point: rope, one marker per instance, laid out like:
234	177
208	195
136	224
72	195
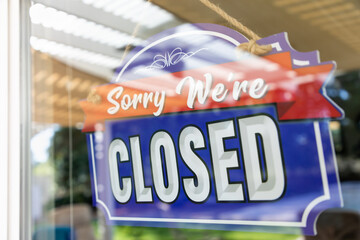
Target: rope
252	46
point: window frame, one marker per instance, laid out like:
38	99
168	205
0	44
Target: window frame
15	89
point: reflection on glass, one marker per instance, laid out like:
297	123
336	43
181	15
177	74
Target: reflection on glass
76	46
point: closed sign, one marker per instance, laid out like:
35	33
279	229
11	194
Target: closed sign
193	133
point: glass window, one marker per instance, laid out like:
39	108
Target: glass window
77	45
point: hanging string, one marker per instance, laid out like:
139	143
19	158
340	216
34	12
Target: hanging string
252	46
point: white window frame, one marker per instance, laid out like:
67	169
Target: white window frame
15	90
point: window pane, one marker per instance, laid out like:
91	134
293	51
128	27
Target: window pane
77	45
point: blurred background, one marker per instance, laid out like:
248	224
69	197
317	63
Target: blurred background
77	45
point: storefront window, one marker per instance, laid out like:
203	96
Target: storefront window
79	45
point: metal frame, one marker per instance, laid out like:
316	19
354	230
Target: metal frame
25	116
4	145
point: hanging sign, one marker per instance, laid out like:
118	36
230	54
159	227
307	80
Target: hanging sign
194	133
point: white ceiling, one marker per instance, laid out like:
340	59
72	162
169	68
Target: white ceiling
332	27
97	15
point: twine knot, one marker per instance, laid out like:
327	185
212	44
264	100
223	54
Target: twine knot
254	48
251	46
93	97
